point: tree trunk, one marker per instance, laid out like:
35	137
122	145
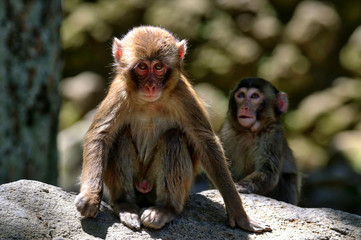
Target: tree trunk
30	70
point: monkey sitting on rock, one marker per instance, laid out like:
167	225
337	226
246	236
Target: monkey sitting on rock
253	138
149	137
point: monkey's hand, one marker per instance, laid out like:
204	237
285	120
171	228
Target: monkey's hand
244	187
87	204
241	220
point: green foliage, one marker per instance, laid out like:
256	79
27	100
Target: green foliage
296	45
309	49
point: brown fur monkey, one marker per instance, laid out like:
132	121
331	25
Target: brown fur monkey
261	161
150	135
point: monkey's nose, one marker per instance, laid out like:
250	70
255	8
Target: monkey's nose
151	88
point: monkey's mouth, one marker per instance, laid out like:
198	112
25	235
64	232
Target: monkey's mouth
245	117
246	121
150	97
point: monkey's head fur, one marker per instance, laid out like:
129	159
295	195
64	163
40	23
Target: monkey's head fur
148	43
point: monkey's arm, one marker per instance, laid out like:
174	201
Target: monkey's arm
96	146
211	155
214	163
268	164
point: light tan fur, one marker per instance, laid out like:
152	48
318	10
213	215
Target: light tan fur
161	143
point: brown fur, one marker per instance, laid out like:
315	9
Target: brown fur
163	142
261	161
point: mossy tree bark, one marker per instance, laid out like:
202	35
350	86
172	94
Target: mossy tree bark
30	70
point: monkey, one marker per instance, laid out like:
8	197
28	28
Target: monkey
150	136
252	135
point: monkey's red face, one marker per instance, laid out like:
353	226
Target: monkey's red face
150	76
248	102
151	57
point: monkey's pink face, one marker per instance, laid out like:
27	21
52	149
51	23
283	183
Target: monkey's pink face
248	102
151	76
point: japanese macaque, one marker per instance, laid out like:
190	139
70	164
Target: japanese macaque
261	161
150	136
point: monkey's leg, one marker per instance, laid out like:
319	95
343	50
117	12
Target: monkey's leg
174	178
118	176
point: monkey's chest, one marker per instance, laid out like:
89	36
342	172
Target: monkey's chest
146	133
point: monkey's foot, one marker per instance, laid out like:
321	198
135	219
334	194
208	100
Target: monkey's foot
156	217
128	214
87	204
130	220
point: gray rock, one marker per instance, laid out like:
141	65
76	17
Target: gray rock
34	210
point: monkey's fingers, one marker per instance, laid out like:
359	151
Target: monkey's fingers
87	205
253	226
130	220
243	188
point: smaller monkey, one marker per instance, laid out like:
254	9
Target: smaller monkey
253	138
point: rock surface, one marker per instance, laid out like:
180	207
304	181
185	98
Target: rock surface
34	210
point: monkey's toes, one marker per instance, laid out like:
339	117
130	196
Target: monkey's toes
130	220
86	205
156	217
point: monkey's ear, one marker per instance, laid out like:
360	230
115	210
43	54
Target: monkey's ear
282	102
117	49
182	47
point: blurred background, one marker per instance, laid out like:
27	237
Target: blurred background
309	49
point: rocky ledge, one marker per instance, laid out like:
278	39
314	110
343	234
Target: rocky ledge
35	210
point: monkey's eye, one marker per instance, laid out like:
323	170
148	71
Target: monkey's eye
158	66
241	95
255	96
142	69
142	66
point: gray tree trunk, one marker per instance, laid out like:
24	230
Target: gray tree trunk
30	70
